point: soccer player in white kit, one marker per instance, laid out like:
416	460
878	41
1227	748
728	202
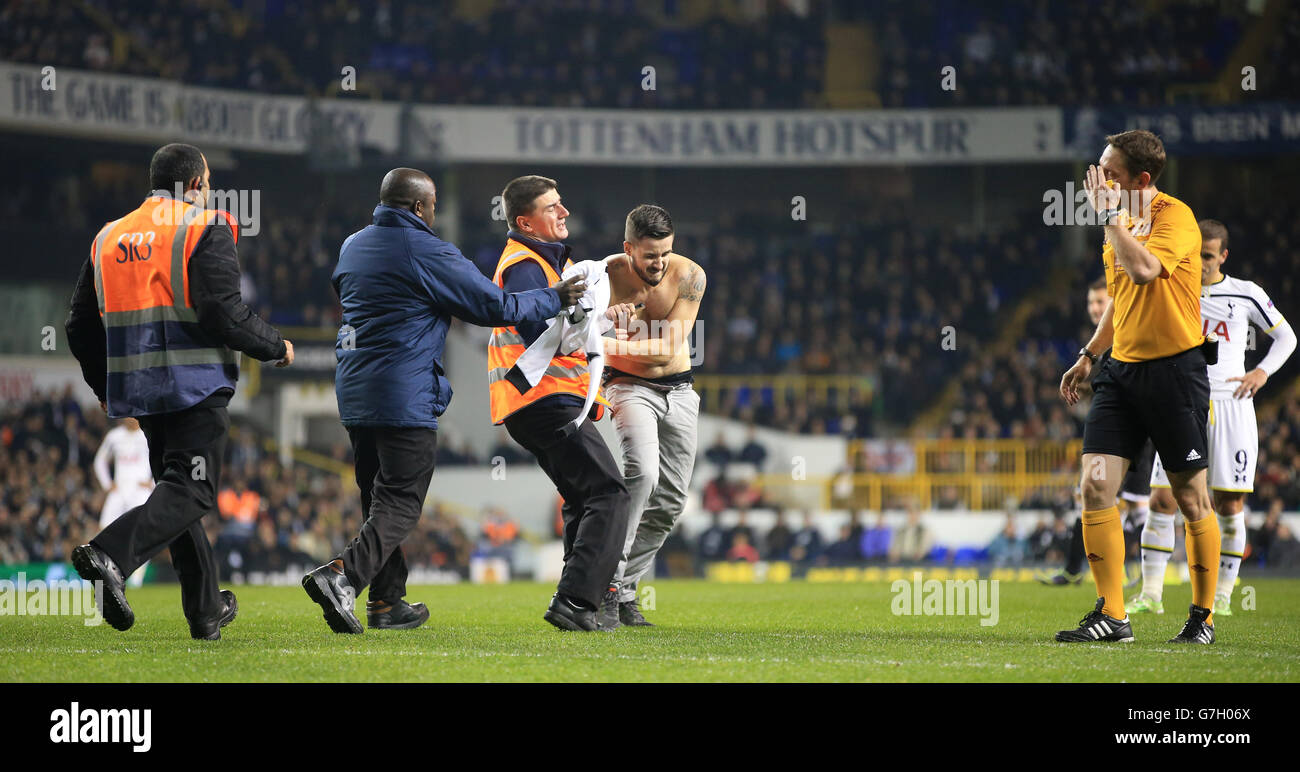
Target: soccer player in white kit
1228	307
132	478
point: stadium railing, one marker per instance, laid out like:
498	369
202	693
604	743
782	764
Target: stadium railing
941	473
839	390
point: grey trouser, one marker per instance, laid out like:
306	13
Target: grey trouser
657	428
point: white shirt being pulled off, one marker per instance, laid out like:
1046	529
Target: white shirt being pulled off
577	328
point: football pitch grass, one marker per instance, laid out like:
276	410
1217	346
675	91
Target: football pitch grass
705	631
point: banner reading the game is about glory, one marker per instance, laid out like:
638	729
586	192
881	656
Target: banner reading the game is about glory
735	138
67	101
73	102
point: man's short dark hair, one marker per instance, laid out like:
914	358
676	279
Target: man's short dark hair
1098	284
521	192
1213	229
175	163
647	221
1143	152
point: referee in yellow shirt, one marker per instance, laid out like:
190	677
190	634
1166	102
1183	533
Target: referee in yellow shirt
1153	384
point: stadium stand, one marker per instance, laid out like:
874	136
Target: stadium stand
435	52
1029	53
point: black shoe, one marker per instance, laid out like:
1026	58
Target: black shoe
94	565
1097	627
1196	629
395	616
1058	578
567	615
629	613
607	620
211	631
329	587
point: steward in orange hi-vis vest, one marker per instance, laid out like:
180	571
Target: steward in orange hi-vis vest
159	359
567	373
154	322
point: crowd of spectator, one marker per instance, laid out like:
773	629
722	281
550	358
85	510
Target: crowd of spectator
1036	52
859	300
857	543
591	53
804	543
579	53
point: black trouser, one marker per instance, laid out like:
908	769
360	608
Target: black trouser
394	465
1075	554
595	499
185	454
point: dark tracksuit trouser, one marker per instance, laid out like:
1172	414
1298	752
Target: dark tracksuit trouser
595	499
186	449
394	465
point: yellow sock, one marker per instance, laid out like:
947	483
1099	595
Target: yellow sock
1203	543
1103	540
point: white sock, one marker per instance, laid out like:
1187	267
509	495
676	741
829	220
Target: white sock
1157	548
1233	530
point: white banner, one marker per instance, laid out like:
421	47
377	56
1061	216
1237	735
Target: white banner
70	101
737	138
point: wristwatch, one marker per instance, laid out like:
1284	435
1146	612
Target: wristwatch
1109	216
1084	352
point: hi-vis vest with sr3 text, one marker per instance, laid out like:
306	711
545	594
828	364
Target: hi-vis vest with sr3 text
566	374
159	359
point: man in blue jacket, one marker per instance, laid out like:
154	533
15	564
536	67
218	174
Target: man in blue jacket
399	285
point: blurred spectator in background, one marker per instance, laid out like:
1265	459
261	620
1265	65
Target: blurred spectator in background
717	494
1040	540
719	454
844	550
741	548
1052	543
1284	552
240	506
497	536
742	526
1263	539
806	547
714	541
779	540
876	540
753	452
856	528
268	552
913	541
1008	547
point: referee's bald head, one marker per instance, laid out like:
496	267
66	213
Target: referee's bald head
409	189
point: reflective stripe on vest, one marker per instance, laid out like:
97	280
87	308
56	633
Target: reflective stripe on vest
564	375
159	359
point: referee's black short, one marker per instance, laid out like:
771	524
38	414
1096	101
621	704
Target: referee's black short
1166	400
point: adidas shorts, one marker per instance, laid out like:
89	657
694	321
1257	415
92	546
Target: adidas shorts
1164	400
1234	447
